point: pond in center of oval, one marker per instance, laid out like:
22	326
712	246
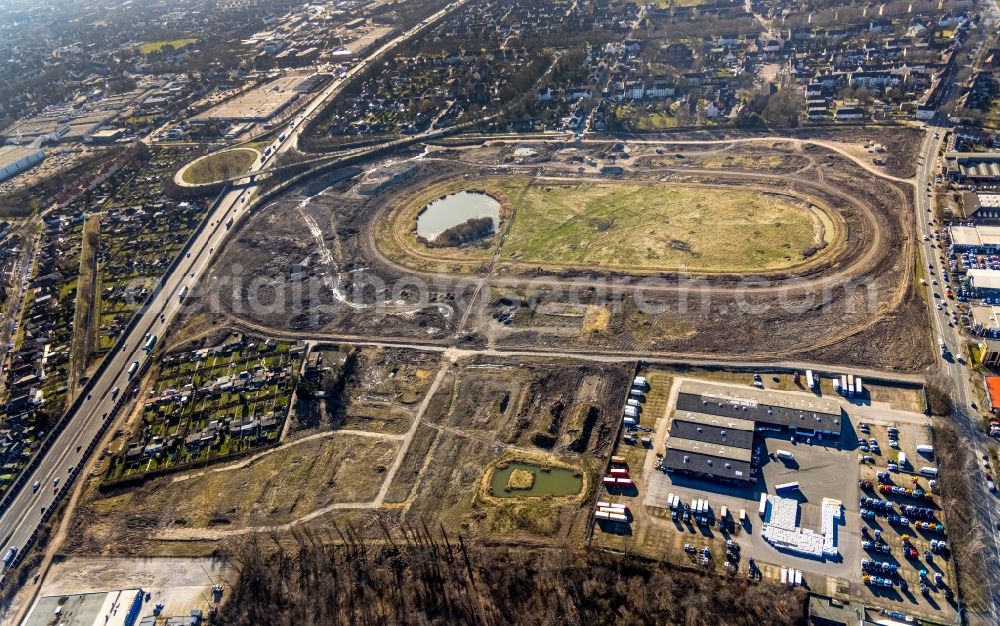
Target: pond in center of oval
546	481
455	209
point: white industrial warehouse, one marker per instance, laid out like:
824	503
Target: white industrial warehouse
17	159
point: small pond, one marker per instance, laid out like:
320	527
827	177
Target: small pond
454	209
553	481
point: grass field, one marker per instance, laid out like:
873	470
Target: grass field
219	166
156	46
624	225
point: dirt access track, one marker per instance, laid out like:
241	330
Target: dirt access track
318	264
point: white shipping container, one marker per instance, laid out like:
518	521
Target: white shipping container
809	379
929	471
602	515
618	517
843	384
798	577
615	508
850	384
786	486
762	509
857	385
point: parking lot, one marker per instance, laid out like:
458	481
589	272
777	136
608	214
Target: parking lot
821	471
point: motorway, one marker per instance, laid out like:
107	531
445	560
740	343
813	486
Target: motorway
62	460
964	417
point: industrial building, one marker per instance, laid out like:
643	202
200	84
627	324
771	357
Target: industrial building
985	283
105	608
708	445
712	430
973	167
982	208
15	159
779	409
992	384
980	238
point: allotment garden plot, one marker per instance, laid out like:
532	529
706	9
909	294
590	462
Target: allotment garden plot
210	404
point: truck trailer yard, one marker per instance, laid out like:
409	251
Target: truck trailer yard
797	480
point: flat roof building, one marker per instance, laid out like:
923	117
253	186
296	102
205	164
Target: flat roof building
103	608
776	408
710	445
985	282
972	238
15	159
713	426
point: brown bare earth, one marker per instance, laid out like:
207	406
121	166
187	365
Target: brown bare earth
427	369
857	299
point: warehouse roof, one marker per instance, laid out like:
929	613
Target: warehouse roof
710	449
975	236
760	405
984	279
699	431
689	461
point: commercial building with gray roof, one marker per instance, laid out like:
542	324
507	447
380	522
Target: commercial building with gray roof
712	430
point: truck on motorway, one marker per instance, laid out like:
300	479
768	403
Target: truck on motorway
132	369
281	137
150	344
8	556
229	223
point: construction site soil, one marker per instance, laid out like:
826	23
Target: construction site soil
315	267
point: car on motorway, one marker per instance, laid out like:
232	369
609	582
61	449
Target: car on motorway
35	486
